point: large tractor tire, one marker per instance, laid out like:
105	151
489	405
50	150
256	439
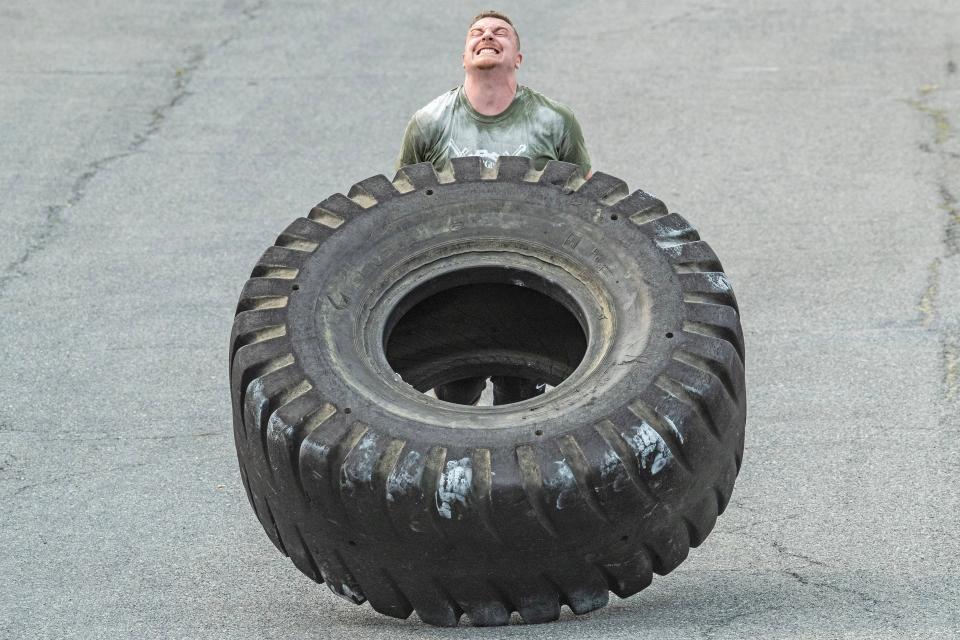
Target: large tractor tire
389	495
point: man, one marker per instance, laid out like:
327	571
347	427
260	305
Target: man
490	115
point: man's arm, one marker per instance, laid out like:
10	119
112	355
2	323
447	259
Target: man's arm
411	149
572	147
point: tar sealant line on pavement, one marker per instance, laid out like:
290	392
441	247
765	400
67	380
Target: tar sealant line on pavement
942	143
53	215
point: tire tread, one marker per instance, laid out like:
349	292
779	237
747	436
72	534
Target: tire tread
295	444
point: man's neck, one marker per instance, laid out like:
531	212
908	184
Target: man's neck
489	93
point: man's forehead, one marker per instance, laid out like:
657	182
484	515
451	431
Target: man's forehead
490	21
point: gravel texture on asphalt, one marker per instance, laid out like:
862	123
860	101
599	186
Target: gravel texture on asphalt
150	151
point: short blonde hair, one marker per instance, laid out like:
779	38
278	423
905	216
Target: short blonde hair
499	16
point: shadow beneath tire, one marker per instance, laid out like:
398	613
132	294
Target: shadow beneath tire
684	606
812	602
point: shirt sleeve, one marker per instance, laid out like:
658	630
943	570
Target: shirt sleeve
411	149
572	147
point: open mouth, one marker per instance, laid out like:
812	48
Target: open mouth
486	51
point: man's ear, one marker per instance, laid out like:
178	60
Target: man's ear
516	65
463	60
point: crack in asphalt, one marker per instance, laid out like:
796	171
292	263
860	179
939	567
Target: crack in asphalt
951	234
950	351
53	215
757	523
943	134
733	618
123	438
21	489
872	604
928	301
782	550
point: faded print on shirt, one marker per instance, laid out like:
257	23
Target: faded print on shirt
489	157
533	126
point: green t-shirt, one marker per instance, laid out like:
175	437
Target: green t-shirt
533	126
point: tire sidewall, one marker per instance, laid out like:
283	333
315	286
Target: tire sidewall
630	278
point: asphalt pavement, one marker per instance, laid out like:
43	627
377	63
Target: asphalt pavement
150	151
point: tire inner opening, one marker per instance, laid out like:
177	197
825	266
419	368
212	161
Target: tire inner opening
496	328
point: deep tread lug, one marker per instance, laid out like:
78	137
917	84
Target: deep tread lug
670	551
513	168
305	229
334	211
701	518
560	174
708	286
373	190
432	603
339	579
467	168
282	256
533	488
669	230
481	602
251	327
536	599
640	207
604	187
583	589
419	176
628	576
263	293
381	591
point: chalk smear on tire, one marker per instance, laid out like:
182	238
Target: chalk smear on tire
454	486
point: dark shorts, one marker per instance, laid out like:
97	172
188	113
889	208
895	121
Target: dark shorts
506	390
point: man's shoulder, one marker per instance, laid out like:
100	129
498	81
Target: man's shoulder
548	105
435	110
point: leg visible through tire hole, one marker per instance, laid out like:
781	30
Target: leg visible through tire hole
506	390
453	333
510	389
466	391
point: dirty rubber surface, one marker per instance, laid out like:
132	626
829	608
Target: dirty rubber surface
151	151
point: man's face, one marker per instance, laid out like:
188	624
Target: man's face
491	43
